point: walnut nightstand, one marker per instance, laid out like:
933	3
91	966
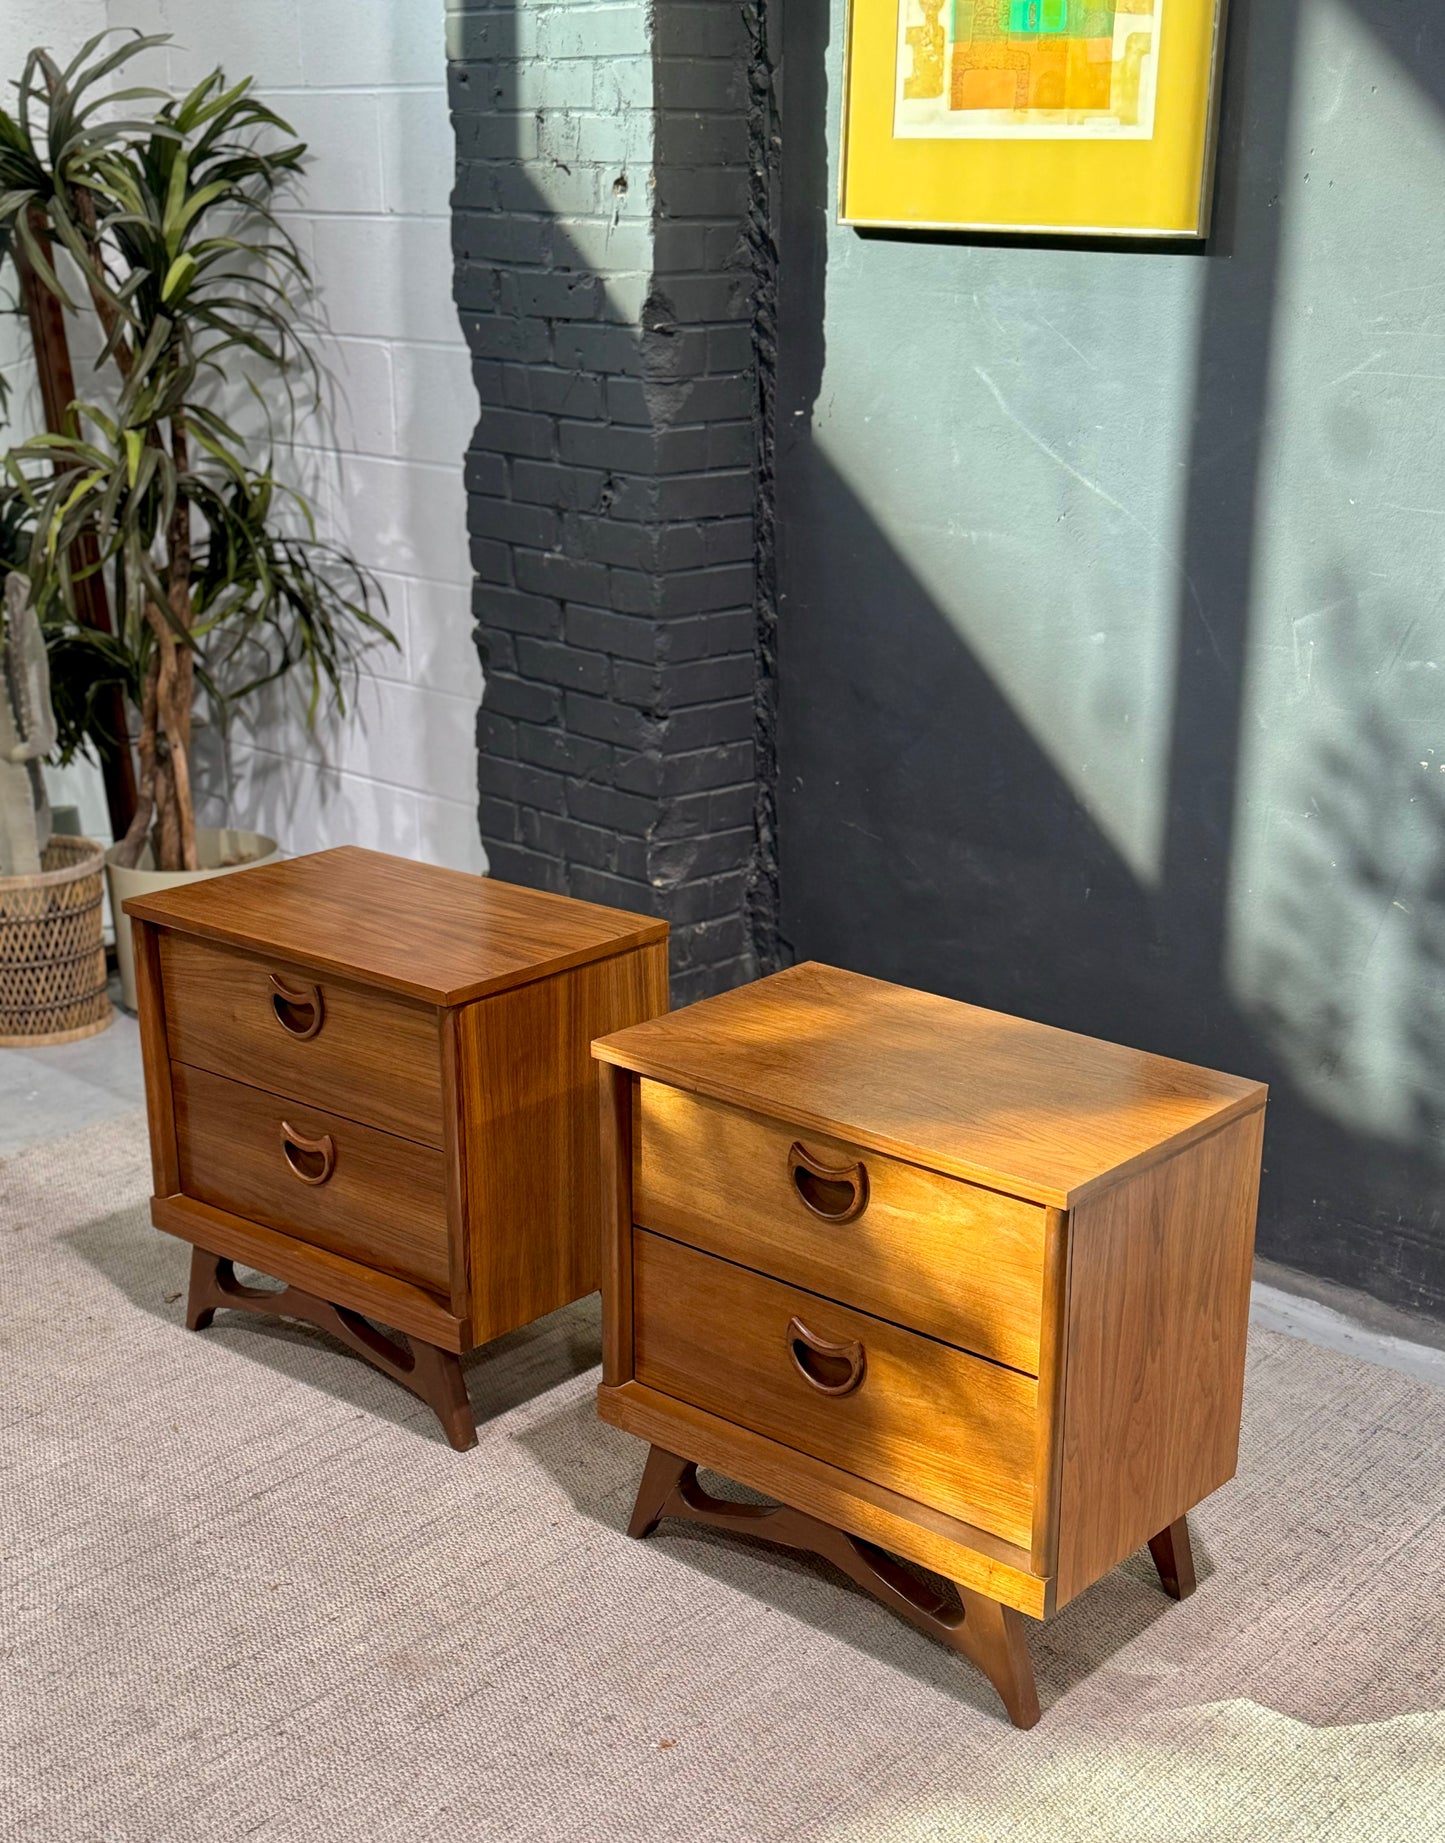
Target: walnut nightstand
949	1286
370	1078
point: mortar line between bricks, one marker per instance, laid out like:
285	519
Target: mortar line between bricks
394	342
348	774
368	217
357	89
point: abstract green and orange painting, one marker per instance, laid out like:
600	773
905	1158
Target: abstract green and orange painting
1039	69
1035	116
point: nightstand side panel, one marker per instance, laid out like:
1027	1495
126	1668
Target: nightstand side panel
534	1179
1158	1318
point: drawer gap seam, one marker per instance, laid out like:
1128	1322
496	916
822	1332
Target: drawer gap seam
333	1108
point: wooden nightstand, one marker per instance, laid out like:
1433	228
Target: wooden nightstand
370	1078
948	1286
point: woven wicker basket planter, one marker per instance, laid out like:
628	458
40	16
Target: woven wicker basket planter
52	955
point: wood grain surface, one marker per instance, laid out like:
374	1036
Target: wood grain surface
1053	1373
1157	1324
458	1166
927	1421
384	1202
155	1059
528	1106
927	1251
616	1103
1016	1106
958	1550
441	936
375	1058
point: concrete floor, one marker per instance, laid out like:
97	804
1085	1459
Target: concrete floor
47	1093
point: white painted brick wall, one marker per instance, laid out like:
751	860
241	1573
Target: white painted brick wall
365	86
64	26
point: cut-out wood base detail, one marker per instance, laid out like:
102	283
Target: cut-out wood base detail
989	1635
1174	1559
433	1375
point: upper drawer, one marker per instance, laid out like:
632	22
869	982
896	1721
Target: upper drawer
963	1264
361	1053
941	1427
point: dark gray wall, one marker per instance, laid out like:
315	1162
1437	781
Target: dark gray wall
610	232
1111	630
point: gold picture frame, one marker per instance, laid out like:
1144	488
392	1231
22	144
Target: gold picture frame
1074	118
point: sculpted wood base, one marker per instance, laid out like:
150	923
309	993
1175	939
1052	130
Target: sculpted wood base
988	1634
434	1376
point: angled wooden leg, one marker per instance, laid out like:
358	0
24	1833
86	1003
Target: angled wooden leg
990	1635
433	1375
1174	1559
660	1476
995	1638
437	1378
205	1295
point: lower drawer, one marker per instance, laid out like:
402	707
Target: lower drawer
903	1410
347	1188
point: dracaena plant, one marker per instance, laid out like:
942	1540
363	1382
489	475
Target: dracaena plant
157	217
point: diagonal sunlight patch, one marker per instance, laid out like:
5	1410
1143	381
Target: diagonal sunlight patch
1051	535
1228	1772
1337	946
571	140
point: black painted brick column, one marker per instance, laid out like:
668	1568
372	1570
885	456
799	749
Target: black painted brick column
612	480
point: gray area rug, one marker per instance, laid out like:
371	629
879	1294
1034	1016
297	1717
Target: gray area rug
249	1592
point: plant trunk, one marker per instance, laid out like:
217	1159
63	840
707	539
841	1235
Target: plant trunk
165	808
183	687
57	392
146	751
170	690
174	838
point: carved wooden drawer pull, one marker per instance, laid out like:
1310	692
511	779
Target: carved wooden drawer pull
834	1193
299	1010
832	1369
312	1160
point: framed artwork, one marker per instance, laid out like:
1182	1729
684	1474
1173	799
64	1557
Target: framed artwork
1052	117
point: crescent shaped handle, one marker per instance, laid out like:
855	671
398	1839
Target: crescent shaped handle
311	1160
831	1369
298	1009
833	1193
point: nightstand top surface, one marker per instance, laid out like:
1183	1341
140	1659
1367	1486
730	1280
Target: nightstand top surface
442	936
1020	1107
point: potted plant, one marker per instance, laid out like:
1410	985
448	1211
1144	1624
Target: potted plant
156	216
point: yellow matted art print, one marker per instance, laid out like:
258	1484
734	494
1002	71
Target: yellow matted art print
1050	117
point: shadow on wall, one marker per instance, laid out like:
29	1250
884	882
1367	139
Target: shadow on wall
927	837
